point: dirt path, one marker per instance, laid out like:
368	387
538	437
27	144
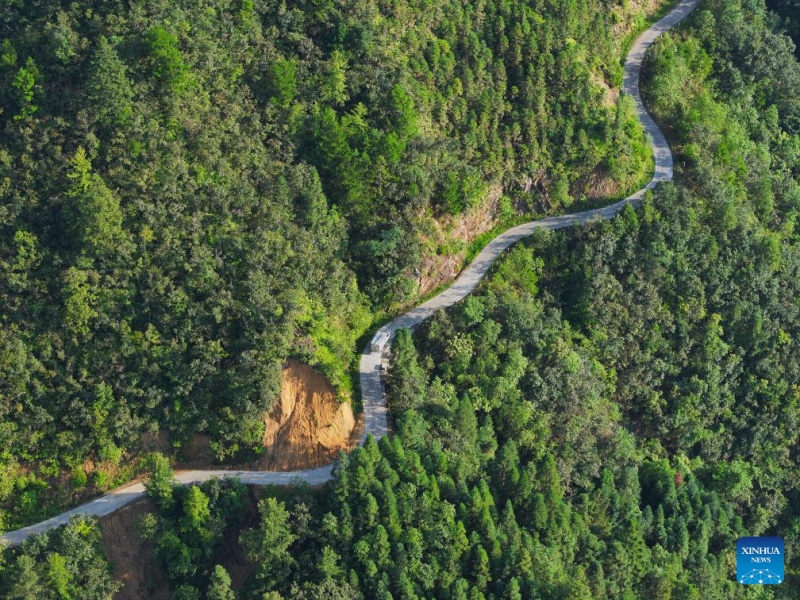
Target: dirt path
376	417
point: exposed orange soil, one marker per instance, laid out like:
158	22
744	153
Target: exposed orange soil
132	558
308	426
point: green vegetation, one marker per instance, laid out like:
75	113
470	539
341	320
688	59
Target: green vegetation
187	531
787	10
34	496
66	563
616	404
603	418
192	192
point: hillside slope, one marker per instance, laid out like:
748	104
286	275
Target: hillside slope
193	192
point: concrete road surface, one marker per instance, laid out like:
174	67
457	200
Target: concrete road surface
376	417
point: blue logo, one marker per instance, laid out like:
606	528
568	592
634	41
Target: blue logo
759	560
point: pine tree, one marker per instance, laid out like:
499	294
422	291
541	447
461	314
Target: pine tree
219	587
407	381
160	484
93	213
110	92
268	544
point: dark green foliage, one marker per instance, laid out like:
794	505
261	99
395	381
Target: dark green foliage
616	404
158	254
191	193
65	563
621	447
219	587
789	12
410	383
234	181
187	530
268	544
160	486
109	90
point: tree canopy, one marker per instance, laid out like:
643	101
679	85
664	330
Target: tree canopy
610	410
193	192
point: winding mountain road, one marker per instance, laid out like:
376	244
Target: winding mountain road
376	414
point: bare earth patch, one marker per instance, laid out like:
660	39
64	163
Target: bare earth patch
308	426
131	557
438	269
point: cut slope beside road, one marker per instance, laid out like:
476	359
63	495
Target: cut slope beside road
376	416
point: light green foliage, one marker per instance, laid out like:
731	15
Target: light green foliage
67	563
219	587
63	41
195	510
79	298
196	518
168	63
58	579
283	82
23	84
247	12
626	135
93	215
8	57
335	85
160	485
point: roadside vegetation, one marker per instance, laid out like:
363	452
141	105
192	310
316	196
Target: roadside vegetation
68	562
193	192
611	409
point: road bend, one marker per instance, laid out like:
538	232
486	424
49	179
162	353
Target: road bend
376	414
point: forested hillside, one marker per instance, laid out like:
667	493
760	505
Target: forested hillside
789	13
606	415
68	562
192	192
619	402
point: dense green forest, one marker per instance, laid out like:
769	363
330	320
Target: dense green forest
789	12
192	192
617	404
67	562
603	418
